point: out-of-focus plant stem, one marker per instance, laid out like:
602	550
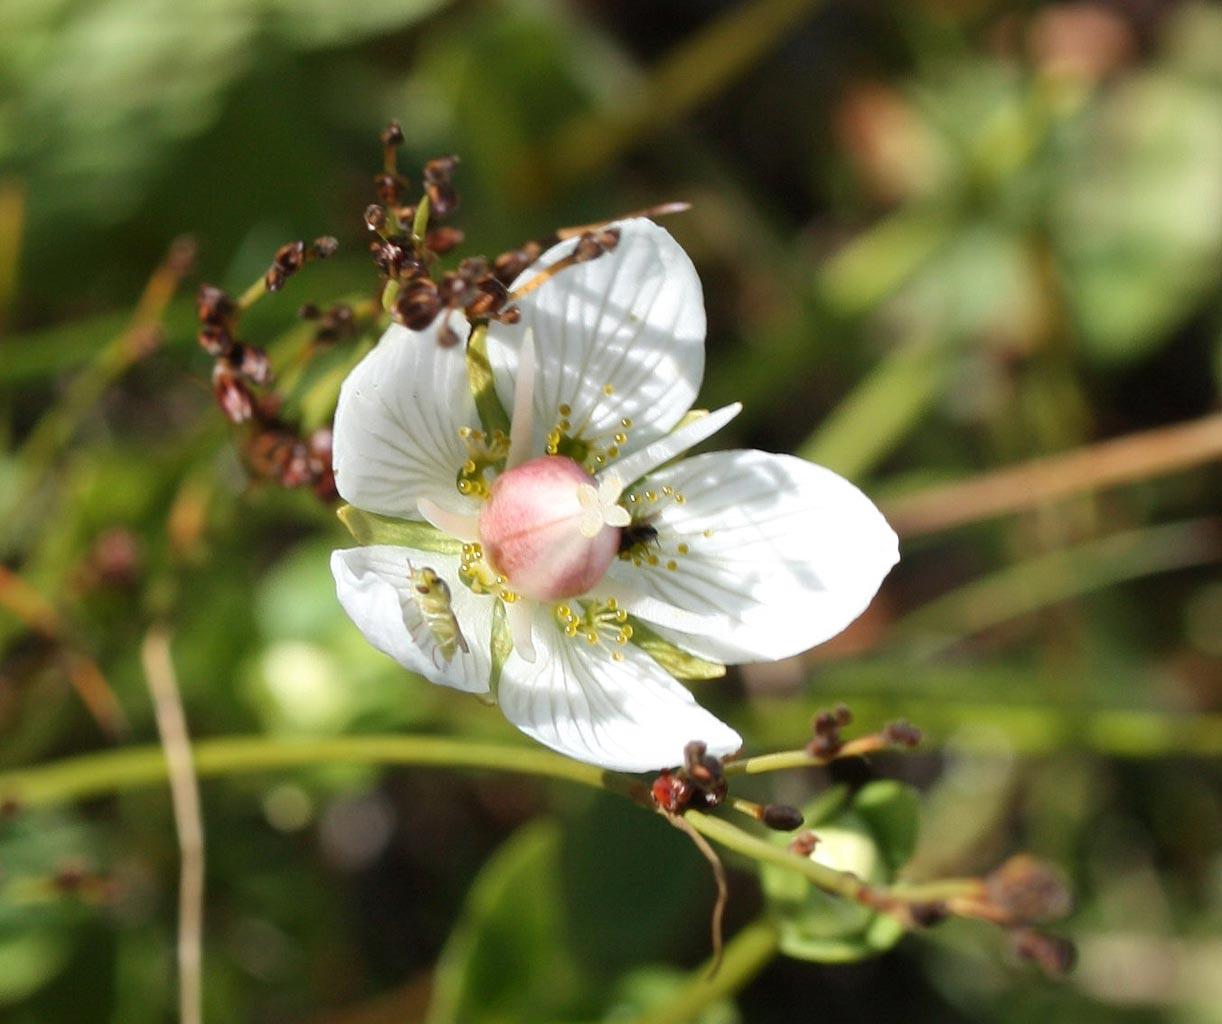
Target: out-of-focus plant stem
693	72
748	953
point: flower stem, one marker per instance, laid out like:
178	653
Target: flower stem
94	775
749	952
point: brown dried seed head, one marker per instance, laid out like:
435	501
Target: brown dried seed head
1029	890
443	198
440	171
234	397
214	340
389	188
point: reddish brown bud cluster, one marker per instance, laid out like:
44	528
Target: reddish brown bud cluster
827	740
334	323
291	257
439	186
277	453
237	365
901	734
701	783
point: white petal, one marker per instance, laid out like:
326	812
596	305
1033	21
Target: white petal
666	448
625	716
396	427
631	321
373	585
793	554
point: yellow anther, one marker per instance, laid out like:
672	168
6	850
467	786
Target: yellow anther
683	549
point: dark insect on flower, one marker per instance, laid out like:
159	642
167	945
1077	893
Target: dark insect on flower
637	534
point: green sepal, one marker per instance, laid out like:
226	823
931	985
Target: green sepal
502	647
371	528
420	225
677	662
389	294
492	415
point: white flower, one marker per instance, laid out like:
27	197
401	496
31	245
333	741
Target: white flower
579	524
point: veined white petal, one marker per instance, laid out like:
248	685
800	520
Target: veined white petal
786	552
619	337
396	427
520	615
374	586
522	420
622	715
666	448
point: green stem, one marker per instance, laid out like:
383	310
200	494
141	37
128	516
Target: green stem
93	775
748	953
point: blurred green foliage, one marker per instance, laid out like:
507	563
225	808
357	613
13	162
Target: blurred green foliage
936	238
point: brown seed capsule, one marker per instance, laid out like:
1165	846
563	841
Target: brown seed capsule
782	817
417	305
443	199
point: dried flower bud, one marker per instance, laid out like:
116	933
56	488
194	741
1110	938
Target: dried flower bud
324	247
440	171
447	337
670	792
1054	955
509	265
213	306
290	257
782	817
375	217
901	734
389	188
234	397
215	340
804	843
392	134
443	240
417	305
1029	890
252	363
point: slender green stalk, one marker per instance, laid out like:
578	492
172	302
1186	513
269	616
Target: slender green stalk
748	953
94	775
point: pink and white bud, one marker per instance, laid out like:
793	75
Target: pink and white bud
549	530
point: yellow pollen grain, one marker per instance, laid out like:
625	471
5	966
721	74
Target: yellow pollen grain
672	565
653	559
683	549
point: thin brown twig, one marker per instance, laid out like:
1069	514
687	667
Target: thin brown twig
1031	484
188	822
719	876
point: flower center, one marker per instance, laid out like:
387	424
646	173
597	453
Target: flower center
548	530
